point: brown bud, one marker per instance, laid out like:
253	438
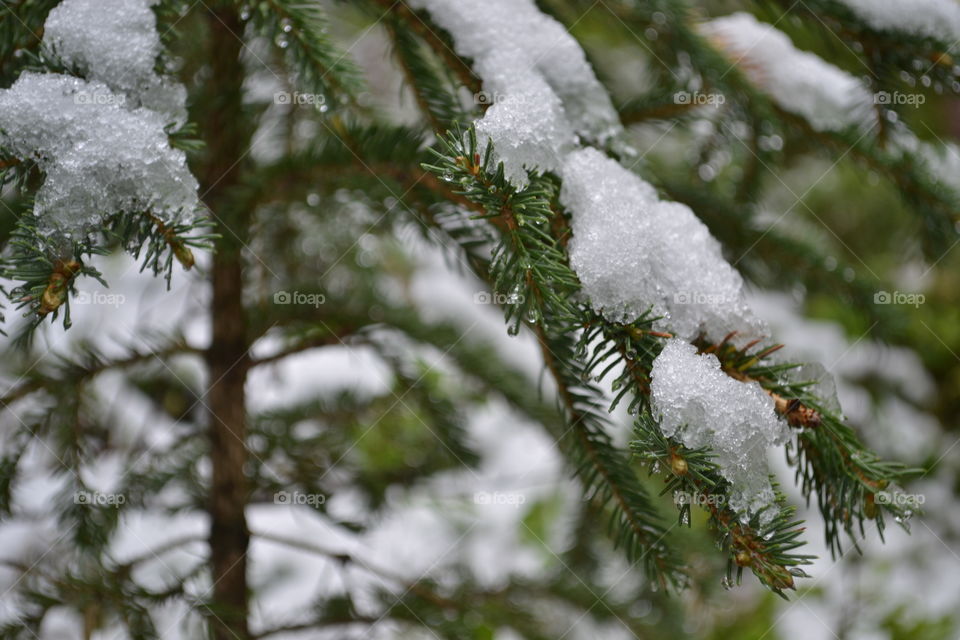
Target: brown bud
678	465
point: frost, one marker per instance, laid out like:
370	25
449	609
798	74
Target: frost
632	250
800	82
115	42
703	407
100	141
99	158
938	19
544	96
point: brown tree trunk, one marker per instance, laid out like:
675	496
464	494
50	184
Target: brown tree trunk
227	134
229	537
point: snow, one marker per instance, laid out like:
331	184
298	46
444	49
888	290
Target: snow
798	81
632	251
703	407
114	42
100	139
939	19
544	95
99	158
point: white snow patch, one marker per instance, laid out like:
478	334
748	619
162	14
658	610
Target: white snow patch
115	42
633	251
938	19
544	94
99	157
800	82
703	407
100	140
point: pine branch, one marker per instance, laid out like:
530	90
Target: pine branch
301	31
692	477
436	38
435	95
522	265
830	459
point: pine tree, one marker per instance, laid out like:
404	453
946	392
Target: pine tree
312	193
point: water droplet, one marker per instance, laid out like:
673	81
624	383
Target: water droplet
726	583
685	518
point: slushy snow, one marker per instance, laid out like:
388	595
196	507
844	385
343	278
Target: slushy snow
100	140
798	81
545	97
704	407
633	251
939	19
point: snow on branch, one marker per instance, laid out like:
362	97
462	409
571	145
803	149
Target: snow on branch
633	251
798	81
101	141
115	42
938	19
701	406
543	96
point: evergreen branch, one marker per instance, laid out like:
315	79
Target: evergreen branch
46	266
301	31
691	475
829	458
885	52
435	95
86	364
937	207
436	38
526	260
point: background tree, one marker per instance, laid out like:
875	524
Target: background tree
320	429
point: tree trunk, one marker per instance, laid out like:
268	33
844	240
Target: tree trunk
227	136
